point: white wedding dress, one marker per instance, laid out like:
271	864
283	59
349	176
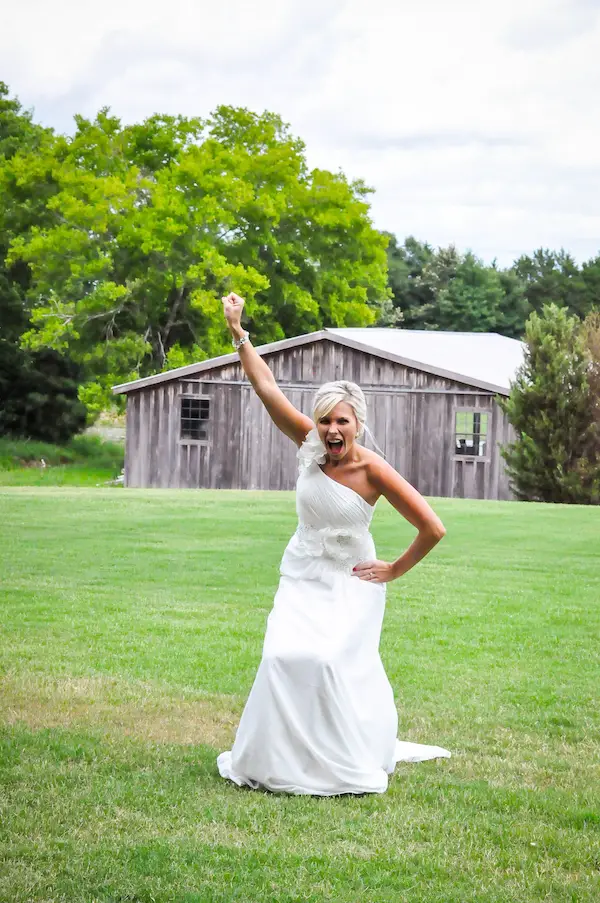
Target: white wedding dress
321	718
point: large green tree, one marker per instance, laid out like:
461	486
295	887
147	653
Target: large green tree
150	224
38	389
555	456
18	134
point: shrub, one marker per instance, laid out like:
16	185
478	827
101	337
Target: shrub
88	451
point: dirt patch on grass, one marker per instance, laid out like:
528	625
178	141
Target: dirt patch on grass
138	710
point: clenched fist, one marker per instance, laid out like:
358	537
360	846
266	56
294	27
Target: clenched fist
233	306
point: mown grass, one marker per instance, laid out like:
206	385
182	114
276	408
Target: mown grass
131	629
85	461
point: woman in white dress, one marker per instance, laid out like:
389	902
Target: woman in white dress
321	718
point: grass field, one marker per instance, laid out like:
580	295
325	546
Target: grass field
131	629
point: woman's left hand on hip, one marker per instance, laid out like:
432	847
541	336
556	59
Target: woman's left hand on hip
373	571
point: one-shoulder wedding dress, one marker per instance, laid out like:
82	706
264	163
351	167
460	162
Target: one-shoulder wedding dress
321	718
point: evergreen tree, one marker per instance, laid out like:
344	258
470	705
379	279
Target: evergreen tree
550	409
589	466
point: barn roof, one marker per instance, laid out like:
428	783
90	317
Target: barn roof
484	360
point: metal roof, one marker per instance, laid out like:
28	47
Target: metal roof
484	360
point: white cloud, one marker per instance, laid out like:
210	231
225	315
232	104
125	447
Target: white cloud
476	122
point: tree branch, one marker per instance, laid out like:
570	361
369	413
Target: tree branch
161	348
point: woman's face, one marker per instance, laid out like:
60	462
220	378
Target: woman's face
337	430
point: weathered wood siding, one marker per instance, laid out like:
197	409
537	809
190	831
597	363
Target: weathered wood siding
411	414
318	362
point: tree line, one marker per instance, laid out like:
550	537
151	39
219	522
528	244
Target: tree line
118	241
444	289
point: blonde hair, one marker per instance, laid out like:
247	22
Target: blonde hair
331	394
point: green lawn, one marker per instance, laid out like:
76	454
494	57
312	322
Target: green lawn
84	461
131	629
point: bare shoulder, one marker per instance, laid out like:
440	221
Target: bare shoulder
379	473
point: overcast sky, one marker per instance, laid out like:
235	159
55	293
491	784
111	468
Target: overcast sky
477	122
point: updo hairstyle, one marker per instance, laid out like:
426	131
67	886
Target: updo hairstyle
330	394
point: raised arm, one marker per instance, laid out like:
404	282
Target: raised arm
284	415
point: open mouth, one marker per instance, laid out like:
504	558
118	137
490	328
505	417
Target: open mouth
335	446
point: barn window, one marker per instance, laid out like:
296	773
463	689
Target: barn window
195	417
470	433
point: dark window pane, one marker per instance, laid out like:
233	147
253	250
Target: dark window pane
190	407
195	412
191	429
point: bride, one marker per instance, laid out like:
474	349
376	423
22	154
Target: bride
321	718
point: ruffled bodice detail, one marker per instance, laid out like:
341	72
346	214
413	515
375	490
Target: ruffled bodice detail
312	451
333	520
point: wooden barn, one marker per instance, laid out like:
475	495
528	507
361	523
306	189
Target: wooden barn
432	407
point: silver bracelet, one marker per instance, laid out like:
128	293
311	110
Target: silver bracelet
237	343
